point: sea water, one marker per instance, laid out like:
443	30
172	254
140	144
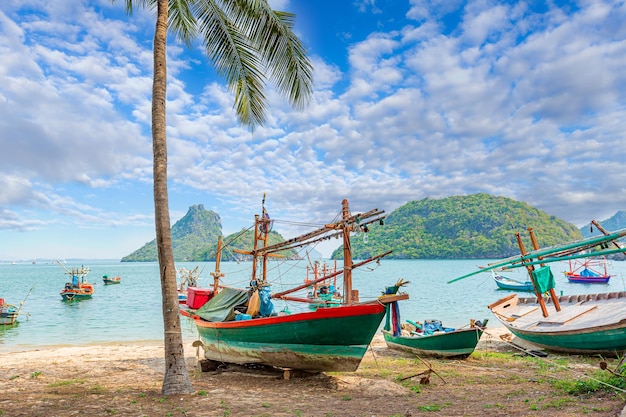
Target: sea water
131	311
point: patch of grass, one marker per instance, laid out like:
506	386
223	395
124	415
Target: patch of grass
266	405
430	407
346	398
67	382
35	374
13	377
202	393
497	405
226	412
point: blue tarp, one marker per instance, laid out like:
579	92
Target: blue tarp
267	307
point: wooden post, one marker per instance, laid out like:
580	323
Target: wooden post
347	253
530	270
217	274
533	239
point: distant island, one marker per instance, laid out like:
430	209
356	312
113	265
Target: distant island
476	226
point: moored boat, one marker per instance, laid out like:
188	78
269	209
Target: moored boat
588	271
8	313
507	283
78	288
111	280
241	325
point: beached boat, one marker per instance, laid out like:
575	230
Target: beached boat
588	271
507	283
582	324
439	341
111	280
240	325
77	288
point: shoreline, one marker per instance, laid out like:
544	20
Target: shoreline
497	330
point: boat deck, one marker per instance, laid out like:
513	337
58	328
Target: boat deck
577	312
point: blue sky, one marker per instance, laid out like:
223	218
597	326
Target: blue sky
413	99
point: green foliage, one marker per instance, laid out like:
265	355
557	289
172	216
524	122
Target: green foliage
477	226
243	240
199	228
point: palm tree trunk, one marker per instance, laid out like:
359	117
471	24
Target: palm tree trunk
176	378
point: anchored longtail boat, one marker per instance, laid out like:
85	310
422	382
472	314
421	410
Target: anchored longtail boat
583	324
111	280
240	325
77	288
588	271
507	283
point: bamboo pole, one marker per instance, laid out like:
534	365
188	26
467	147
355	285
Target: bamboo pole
533	239
530	270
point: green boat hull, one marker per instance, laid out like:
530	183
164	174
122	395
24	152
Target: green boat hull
457	343
583	324
606	341
329	339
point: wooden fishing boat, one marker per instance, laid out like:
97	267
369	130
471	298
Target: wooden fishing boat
442	344
585	324
188	279
508	283
8	313
77	288
588	271
323	293
240	325
111	280
582	324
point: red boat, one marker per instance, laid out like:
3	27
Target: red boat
588	271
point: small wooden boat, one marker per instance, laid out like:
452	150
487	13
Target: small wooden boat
77	288
322	293
8	313
508	283
188	279
111	280
240	325
585	324
588	271
430	338
581	324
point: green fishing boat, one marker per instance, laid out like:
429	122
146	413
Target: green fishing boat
430	338
580	324
240	326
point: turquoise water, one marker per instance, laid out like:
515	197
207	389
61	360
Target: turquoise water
131	311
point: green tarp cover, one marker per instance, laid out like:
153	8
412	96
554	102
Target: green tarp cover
221	307
543	279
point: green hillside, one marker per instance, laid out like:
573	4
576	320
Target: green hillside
478	226
199	228
243	241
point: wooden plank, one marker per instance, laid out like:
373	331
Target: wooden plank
568	314
524	312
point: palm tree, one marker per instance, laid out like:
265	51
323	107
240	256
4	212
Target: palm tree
248	43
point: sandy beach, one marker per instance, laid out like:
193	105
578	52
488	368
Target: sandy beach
125	380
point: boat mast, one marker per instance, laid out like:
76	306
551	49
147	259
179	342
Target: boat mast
347	252
533	240
217	274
